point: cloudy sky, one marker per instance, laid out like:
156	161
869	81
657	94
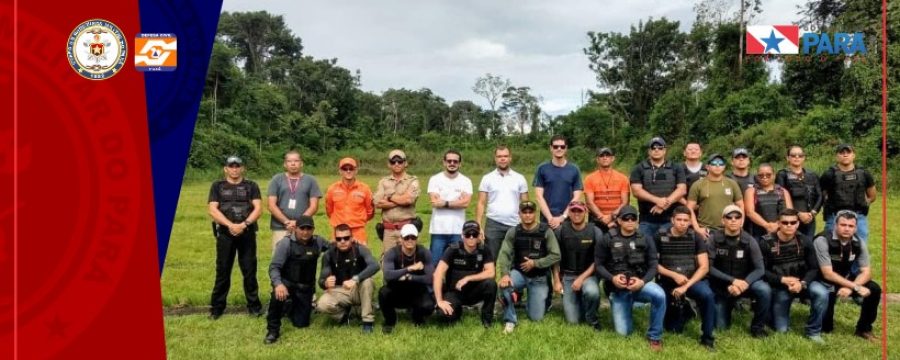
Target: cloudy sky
446	45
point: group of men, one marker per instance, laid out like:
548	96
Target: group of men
698	233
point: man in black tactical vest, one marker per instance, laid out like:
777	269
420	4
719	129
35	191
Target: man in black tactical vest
658	184
791	268
235	204
836	252
528	252
736	270
469	272
626	260
683	265
847	186
293	275
574	275
346	277
407	274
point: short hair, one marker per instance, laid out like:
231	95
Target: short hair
558	138
293	152
788	153
845	214
342	227
452	151
681	209
502	147
788	212
764	165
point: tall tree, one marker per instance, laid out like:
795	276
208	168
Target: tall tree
260	37
491	88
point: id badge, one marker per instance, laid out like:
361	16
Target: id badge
739	254
292	204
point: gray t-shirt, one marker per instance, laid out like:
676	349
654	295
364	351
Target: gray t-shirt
824	258
304	190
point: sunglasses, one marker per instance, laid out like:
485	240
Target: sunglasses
800	156
342	238
764	176
234	165
733	217
717	163
559	147
657	148
305	227
410	237
348	169
529	211
470	235
451	161
629	218
396	162
795	222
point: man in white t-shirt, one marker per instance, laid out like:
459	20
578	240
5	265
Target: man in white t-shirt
450	193
500	192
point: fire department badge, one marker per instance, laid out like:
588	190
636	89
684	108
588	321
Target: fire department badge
97	49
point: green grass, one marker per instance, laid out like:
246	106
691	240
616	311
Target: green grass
189	272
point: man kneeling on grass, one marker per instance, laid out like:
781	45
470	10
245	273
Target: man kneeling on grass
346	277
626	260
469	270
293	274
407	274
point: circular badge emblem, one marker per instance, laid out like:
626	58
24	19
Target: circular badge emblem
96	49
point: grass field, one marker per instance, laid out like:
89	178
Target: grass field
189	272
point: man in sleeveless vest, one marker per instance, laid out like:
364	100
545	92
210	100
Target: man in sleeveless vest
791	268
293	276
736	271
574	275
407	273
235	204
847	186
683	265
626	260
465	276
528	252
836	252
346	277
658	184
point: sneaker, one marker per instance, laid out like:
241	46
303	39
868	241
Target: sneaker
655	345
387	329
759	334
368	327
866	335
597	326
509	328
709	344
817	339
271	337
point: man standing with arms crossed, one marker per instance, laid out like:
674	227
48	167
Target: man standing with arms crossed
291	194
450	193
500	192
396	196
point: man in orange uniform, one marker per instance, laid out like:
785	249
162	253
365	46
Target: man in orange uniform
349	201
606	190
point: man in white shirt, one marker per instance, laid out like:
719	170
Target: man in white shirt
500	192
450	193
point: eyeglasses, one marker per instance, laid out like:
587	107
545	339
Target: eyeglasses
559	147
795	222
470	235
410	237
342	238
657	148
733	217
348	169
764	176
799	156
451	161
629	218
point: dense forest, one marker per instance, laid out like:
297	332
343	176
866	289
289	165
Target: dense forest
263	94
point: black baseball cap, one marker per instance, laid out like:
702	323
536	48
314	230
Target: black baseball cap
656	141
527	204
605	151
715	156
740	151
305	220
627	210
843	147
471	226
234	160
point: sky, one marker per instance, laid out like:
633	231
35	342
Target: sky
446	45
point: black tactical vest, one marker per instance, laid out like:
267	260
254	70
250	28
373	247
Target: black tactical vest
677	253
800	187
234	200
346	264
785	258
463	264
734	259
530	244
849	190
300	265
769	203
659	181
578	252
627	254
842	256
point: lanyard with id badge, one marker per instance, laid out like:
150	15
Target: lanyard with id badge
293	184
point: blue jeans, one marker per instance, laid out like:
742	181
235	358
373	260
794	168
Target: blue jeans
440	242
582	304
621	303
538	289
703	295
760	291
818	303
649	228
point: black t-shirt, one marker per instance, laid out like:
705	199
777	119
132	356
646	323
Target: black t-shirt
447	258
829	186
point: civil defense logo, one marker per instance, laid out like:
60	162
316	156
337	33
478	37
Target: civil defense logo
785	40
96	49
155	52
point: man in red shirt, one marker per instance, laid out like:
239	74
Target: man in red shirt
606	190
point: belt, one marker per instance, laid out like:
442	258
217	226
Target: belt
395	225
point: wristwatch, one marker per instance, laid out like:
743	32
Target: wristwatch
856	288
